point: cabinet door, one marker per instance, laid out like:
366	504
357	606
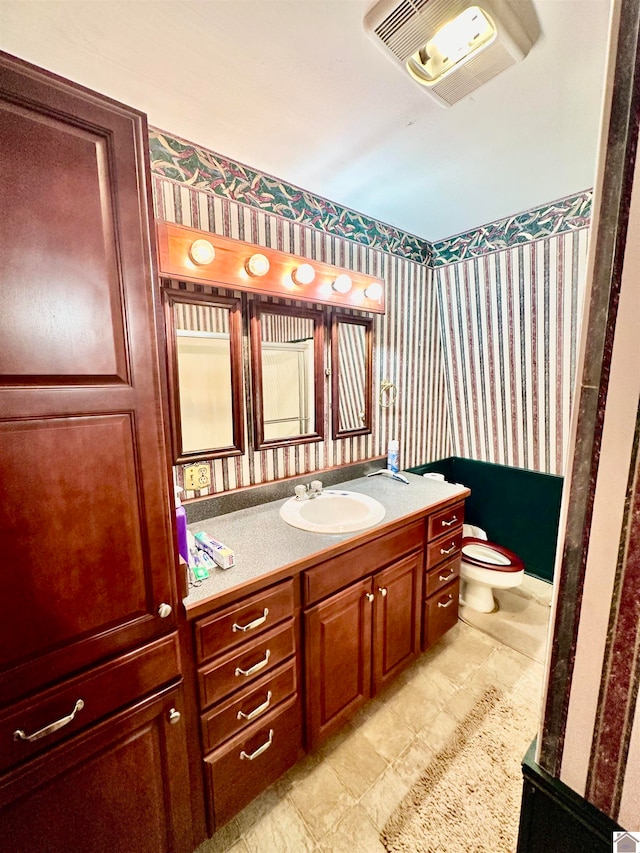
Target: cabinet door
86	545
338	653
89	795
396	618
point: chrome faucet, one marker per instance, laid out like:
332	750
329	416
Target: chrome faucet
313	490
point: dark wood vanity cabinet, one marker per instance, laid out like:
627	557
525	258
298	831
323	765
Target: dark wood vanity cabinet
362	636
87	562
442	573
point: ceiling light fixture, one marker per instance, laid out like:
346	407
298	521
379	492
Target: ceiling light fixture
201	252
342	283
304	274
453	44
374	292
257	265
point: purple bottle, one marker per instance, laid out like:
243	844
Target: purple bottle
181	526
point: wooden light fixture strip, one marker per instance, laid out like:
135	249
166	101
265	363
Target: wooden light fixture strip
228	269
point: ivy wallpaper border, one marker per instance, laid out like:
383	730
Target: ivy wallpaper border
565	214
186	163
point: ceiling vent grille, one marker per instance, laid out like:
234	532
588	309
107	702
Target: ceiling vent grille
401	29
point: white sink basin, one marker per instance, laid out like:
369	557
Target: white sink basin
333	511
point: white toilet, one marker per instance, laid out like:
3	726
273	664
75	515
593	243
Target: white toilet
485	566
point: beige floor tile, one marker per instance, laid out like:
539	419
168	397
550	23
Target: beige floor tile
354	834
386	733
414	706
282	830
239	847
438	732
356	763
383	797
411	764
322	799
460	705
222	840
263	805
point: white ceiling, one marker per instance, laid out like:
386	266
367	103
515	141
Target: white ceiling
297	89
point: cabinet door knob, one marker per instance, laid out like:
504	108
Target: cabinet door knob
174	716
370	596
382	590
164	610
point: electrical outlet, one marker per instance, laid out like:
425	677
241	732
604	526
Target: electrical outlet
197	477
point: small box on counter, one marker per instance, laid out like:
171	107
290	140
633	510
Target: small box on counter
218	551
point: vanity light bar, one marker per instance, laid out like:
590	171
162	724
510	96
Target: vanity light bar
244	266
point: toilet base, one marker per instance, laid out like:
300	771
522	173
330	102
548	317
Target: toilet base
477	596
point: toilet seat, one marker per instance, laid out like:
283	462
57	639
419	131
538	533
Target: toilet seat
490	556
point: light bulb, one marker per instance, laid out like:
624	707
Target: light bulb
342	284
374	291
201	252
257	265
304	274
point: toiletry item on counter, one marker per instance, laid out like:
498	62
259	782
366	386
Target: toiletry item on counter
433	475
222	555
393	463
199	561
181	523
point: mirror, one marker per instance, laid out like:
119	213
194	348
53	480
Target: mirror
204	350
351	375
287	352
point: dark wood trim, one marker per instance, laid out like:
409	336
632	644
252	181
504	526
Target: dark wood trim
172	297
257	309
336	319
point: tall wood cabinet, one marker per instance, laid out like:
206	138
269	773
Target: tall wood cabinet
90	696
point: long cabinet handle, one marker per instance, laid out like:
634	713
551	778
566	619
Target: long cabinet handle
265	746
52	727
256	667
446	577
451	521
255	624
447	604
256	711
445	551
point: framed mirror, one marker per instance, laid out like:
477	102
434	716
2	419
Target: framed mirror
351	375
204	350
287	353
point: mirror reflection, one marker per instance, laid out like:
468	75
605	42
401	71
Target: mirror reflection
287	352
205	360
351	369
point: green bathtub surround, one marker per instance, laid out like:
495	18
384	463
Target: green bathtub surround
519	509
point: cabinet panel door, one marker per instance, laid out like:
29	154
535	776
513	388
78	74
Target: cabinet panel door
89	795
396	617
338	652
86	546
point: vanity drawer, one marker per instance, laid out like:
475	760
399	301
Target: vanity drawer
444	548
253	703
442	575
94	695
342	570
246	665
235	624
441	612
241	769
445	520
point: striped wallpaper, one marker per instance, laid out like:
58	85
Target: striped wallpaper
407	348
509	324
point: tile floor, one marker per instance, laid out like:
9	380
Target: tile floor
339	797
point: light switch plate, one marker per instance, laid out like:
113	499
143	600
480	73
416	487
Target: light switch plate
197	477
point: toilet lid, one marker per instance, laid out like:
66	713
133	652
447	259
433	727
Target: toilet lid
489	555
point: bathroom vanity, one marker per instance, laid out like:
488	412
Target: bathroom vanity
307	627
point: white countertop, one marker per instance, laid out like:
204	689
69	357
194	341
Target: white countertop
263	543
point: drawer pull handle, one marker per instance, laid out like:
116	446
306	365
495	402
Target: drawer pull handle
382	590
447	551
447	603
256	711
52	727
446	577
451	521
255	624
265	746
256	667
370	596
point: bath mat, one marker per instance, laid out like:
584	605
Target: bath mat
468	798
